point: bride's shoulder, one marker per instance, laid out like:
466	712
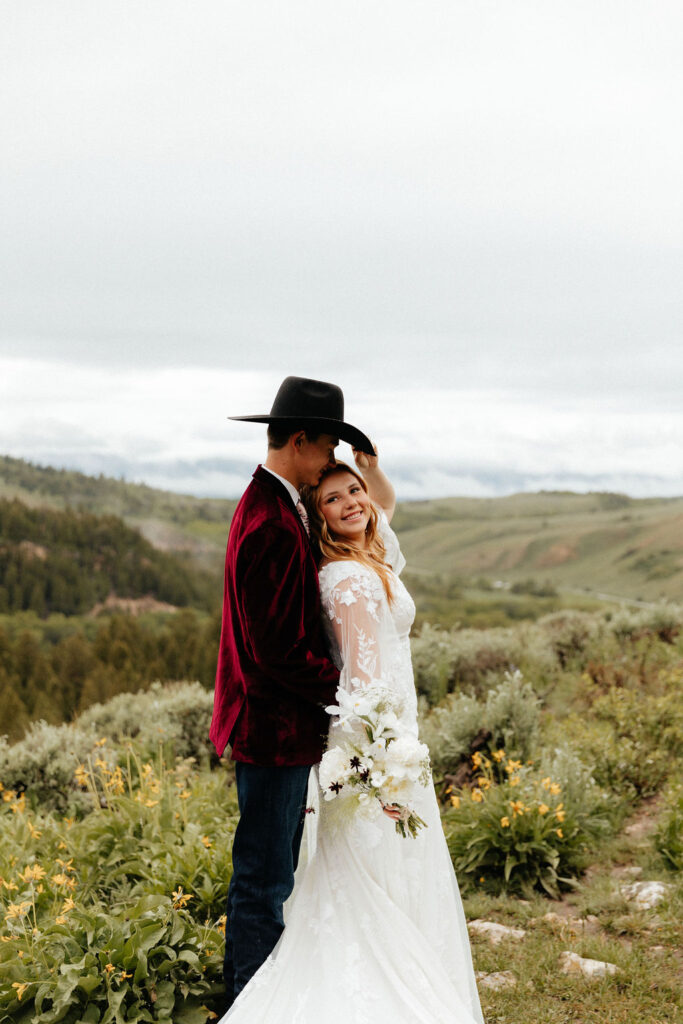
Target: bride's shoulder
348	573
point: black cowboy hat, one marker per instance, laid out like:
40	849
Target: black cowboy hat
314	405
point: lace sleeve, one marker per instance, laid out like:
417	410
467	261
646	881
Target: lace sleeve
356	607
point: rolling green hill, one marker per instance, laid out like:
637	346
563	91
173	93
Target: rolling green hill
596	544
599	543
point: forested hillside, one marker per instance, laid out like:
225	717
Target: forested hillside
67	561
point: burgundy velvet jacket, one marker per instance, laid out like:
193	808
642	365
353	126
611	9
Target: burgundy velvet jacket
274	676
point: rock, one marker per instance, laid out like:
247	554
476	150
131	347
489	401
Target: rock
645	895
572	963
494	932
497	980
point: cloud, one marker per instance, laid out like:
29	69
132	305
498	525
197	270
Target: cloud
169	427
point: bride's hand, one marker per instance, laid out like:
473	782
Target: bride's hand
365	462
392	811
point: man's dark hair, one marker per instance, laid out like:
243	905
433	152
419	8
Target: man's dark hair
279	435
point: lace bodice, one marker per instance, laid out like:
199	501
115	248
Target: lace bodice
368	637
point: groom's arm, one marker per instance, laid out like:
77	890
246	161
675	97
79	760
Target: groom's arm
280	611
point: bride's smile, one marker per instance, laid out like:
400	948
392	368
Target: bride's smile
346	507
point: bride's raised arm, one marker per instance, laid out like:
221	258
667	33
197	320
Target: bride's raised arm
380	487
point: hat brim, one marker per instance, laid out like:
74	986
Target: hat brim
344	431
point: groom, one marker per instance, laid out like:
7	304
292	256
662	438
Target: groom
274	676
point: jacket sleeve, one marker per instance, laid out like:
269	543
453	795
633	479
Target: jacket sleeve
281	627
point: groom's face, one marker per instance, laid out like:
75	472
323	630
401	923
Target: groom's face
313	457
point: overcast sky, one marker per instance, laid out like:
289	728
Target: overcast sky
468	214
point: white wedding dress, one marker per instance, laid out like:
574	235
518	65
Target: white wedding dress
375	931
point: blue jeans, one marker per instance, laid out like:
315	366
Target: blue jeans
265	854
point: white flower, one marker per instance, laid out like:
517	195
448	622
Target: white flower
334	767
347	597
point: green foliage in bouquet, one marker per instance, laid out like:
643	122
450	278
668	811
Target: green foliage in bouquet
116	917
519	830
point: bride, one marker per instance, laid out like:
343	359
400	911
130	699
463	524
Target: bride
375	931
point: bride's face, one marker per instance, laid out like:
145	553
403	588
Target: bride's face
346	508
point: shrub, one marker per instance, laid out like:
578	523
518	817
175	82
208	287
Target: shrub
116	917
570	632
668	838
176	717
476	658
510	713
526	830
634	740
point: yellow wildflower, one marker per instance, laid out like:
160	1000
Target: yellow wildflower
207	842
476	759
16	910
477	795
455	802
559	832
102	765
66	865
181	899
484	782
517	807
123	975
512	766
185	795
546	782
35	833
67	905
61	919
560	815
449	790
62	845
505	822
555	788
151	803
220	923
109	968
210	1015
514	780
19	804
69	822
10	886
33	873
481	878
60	879
543	808
8	796
21	987
81	776
101	743
498	755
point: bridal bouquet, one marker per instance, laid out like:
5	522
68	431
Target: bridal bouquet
376	763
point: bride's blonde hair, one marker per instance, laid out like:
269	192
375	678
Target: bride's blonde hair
333	548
